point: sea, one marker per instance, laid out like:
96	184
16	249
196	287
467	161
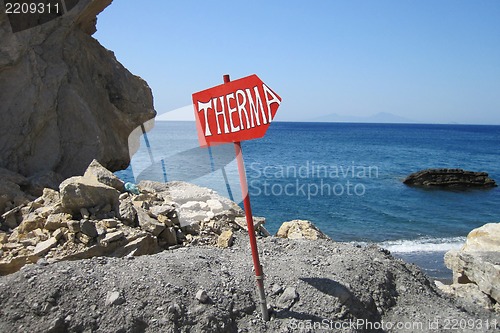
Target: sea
346	178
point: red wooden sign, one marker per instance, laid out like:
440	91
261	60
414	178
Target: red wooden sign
235	111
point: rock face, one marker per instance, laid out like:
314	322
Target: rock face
300	229
65	99
450	178
478	262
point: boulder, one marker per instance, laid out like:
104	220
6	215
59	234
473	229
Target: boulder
202	296
480	268
101	174
11	218
469	292
300	229
258	224
73	226
81	192
11	189
65	99
478	261
484	238
450	178
114	298
182	192
165	210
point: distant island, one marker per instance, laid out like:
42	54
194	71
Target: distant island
381	117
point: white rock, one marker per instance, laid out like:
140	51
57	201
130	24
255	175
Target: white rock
191	205
484	238
114	298
215	206
202	296
300	229
43	247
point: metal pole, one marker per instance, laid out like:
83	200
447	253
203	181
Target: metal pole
259	275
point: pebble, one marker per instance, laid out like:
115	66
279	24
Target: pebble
288	297
202	296
174	308
114	298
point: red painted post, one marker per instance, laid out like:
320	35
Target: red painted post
259	275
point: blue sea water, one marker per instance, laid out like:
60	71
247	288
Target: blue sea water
345	178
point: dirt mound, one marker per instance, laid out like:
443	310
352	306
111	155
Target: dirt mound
312	286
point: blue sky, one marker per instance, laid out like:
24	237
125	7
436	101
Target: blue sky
429	61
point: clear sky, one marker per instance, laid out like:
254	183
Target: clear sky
429	61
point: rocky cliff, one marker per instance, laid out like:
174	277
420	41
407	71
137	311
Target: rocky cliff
65	99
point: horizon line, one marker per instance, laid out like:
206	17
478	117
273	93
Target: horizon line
351	122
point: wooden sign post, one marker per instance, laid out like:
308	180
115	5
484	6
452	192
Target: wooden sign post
233	112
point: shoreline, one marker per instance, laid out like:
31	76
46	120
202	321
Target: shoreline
431	263
138	256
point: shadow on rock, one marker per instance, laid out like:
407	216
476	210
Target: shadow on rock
366	310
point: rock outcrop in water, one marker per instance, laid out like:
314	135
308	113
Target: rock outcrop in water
450	178
65	99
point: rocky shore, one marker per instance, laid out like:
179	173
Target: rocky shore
92	254
476	267
93	215
313	286
94	257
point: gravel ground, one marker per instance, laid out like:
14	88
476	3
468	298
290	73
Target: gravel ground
312	286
